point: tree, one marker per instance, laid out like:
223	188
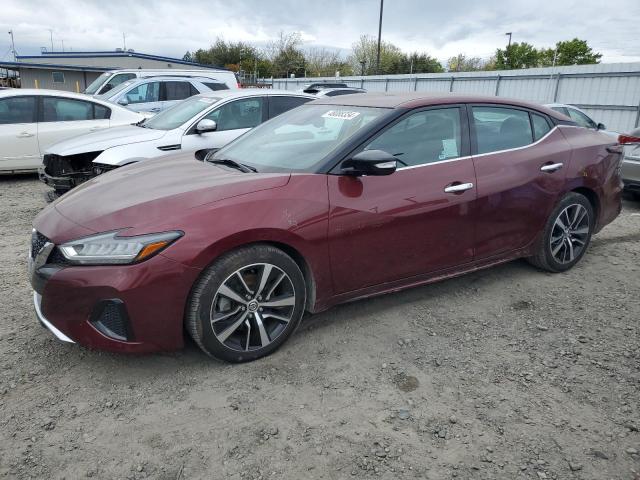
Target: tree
517	55
569	52
286	56
236	56
462	63
322	62
187	57
422	63
364	53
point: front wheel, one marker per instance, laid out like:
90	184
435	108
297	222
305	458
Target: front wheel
246	304
566	235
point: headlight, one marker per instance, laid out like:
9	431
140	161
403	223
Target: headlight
109	248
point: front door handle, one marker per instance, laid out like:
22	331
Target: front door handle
25	135
551	167
93	129
458	188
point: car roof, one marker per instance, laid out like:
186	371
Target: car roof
43	91
417	100
248	92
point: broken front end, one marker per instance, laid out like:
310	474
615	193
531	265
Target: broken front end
62	173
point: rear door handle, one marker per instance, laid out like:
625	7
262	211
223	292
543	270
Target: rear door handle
25	135
93	129
551	167
458	188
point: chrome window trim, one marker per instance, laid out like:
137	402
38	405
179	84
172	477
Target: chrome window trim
489	153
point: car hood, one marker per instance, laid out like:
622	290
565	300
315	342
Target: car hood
150	192
104	139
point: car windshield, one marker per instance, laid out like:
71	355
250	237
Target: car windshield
116	90
97	83
300	139
180	113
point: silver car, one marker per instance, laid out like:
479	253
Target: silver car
631	165
155	94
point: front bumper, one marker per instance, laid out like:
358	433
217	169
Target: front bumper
37	300
60	183
68	300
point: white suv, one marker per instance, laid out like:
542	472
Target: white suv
111	79
155	94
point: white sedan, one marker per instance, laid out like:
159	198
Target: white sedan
198	124
33	120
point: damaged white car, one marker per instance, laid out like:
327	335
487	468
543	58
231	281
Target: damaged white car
199	124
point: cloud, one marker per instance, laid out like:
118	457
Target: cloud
442	29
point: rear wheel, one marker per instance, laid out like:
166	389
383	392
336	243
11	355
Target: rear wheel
246	304
566	235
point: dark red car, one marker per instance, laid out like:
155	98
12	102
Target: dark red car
333	201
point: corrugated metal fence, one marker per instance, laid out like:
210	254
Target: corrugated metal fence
609	93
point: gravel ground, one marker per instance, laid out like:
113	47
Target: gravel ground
505	373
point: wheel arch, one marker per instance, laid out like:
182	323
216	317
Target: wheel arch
593	198
289	244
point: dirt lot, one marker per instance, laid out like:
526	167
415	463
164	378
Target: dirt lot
505	373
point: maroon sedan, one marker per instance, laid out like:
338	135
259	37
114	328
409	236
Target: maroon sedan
333	201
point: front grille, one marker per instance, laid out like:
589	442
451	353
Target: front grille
111	319
37	242
57	257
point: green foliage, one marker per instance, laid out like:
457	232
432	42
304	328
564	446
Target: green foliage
517	55
462	63
392	60
568	52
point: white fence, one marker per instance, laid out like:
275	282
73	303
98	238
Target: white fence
609	93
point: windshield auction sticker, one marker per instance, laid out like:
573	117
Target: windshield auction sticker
342	114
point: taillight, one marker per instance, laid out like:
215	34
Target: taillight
239	86
628	139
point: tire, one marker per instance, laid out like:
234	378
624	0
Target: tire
560	249
235	315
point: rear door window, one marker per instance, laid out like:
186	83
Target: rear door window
280	104
500	128
17	110
66	110
177	90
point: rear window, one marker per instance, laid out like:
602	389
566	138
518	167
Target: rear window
540	126
499	128
215	86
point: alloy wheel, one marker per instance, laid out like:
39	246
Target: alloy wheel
252	307
570	233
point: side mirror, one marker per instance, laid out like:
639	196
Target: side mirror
124	101
370	162
206	125
601	126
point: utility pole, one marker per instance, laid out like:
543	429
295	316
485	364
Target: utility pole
51	37
362	64
507	53
379	38
13	47
124	41
63	46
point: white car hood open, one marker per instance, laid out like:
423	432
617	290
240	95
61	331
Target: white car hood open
108	138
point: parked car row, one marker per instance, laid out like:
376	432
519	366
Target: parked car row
31	121
264	205
197	125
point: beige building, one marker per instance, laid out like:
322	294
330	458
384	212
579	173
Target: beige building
74	71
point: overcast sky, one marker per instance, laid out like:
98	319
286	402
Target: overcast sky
440	28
